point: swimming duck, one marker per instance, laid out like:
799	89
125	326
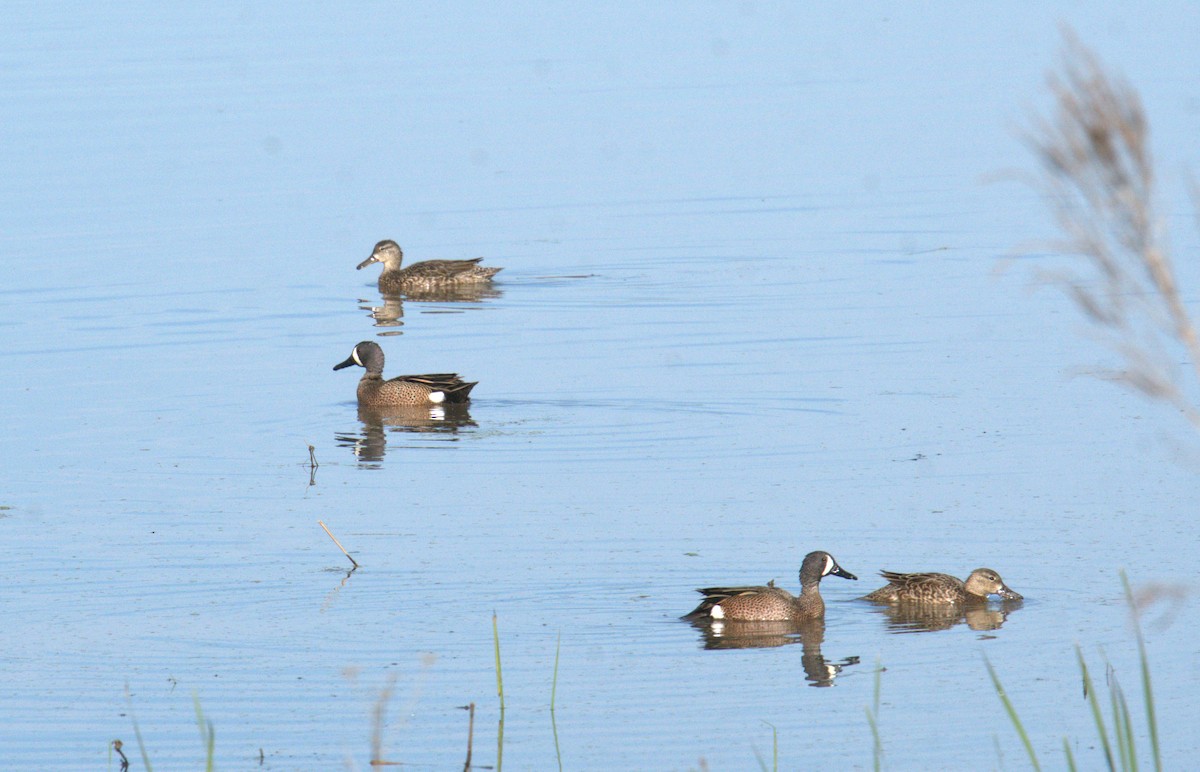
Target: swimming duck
430	273
941	588
404	390
770	603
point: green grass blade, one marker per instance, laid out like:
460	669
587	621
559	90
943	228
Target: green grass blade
775	748
877	751
878	683
762	763
1124	727
554	683
137	732
1070	756
499	675
1114	700
1097	716
1147	690
1012	715
500	691
208	734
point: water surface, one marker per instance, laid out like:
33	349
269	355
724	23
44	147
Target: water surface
750	308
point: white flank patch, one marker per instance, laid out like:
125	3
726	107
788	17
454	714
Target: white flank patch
828	564
716	612
437	397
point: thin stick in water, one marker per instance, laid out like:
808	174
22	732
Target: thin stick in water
339	544
116	746
470	734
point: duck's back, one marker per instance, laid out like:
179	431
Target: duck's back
919	587
433	272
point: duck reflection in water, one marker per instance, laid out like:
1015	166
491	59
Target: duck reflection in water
930	617
437	423
810	634
391	313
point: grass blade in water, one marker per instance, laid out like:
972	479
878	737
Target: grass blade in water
1012	715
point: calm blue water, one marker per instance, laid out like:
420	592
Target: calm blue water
751	307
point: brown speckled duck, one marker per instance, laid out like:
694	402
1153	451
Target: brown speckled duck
941	588
430	273
404	390
770	603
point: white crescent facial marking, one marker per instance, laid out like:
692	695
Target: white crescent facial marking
828	564
437	397
354	356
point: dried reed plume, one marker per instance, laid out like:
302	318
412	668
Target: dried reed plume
1099	177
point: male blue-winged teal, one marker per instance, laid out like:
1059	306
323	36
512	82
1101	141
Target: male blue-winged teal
404	390
770	603
430	273
941	588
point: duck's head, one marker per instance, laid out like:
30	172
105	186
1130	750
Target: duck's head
985	581
367	354
818	565
387	252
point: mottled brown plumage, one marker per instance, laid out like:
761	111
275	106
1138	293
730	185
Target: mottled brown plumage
424	275
941	588
770	603
429	389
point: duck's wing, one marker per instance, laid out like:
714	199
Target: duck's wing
715	595
440	269
920	579
455	388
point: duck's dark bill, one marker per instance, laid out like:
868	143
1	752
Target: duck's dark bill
839	571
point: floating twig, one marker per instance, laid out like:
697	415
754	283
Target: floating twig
339	544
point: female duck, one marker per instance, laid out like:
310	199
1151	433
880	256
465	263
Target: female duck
941	588
770	603
404	390
430	273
